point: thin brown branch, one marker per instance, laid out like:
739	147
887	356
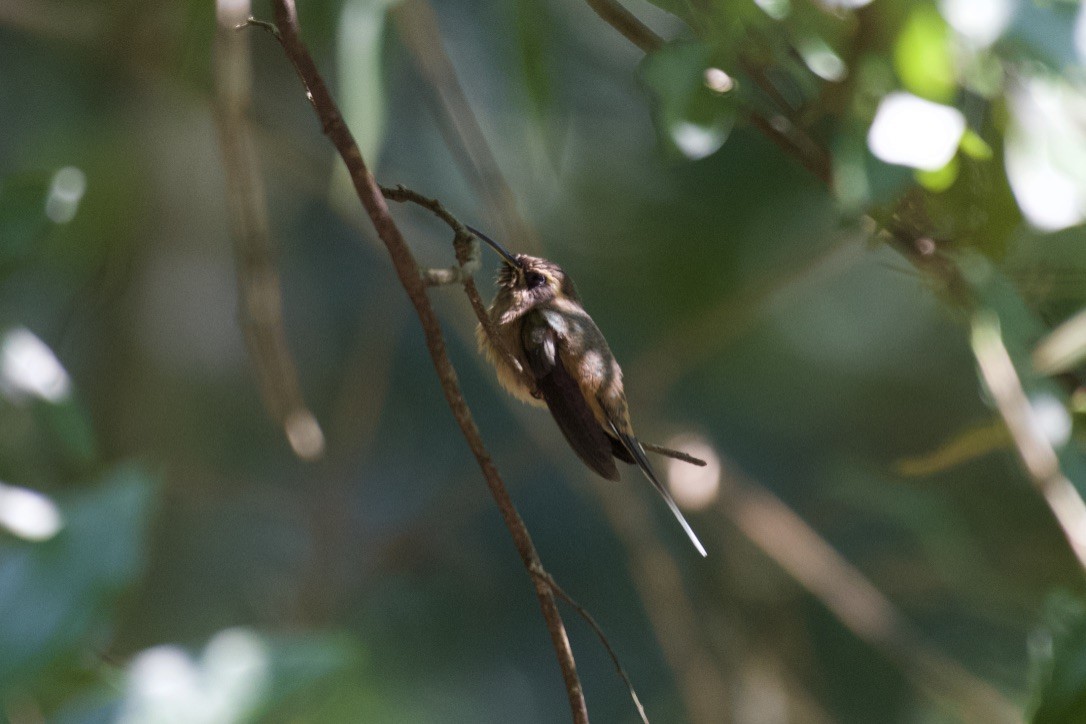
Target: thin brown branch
467	257
583	613
818	163
627	23
407	270
703	680
260	295
465	243
676	454
789	123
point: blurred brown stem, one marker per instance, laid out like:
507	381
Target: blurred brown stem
260	296
407	270
627	23
1034	448
786	538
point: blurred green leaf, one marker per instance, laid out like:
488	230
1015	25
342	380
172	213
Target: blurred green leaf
684	9
861	180
975	147
305	668
244	676
1059	654
922	55
69	431
54	592
940	180
533	31
22	216
692	119
360	48
239	676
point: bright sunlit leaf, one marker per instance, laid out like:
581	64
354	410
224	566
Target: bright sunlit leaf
776	9
1051	418
974	146
65	192
718	81
28	514
1046	152
698	141
822	60
226	684
913	132
28	368
981	22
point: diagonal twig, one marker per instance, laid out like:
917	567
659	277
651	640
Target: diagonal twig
467	256
583	613
407	270
625	22
1034	448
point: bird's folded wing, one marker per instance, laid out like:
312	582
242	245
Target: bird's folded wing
564	398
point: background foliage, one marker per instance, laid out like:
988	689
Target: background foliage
165	557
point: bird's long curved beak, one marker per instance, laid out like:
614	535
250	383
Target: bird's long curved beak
509	258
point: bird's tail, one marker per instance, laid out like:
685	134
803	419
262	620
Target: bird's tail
638	453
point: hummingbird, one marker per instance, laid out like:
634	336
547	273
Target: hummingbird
549	352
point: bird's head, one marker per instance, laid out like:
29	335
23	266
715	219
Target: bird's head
526	282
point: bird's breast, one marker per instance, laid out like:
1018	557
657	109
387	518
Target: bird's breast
512	373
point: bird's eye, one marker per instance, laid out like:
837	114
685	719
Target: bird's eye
534	279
